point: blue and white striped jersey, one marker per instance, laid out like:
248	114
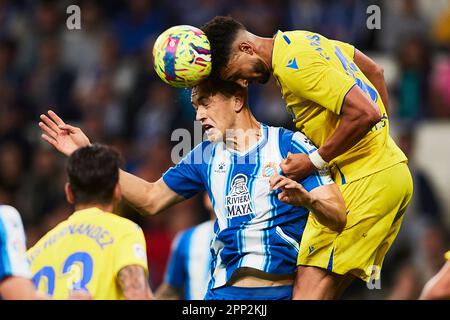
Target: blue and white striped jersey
253	228
189	265
13	260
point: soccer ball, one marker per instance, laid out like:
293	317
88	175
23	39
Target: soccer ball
182	56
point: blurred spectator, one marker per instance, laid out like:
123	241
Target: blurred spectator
137	24
49	82
86	42
400	20
12	171
42	189
422	234
440	89
9	75
154	119
441	27
44	19
340	20
259	16
102	103
195	12
412	87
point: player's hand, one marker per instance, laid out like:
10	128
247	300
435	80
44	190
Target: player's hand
292	192
65	138
297	166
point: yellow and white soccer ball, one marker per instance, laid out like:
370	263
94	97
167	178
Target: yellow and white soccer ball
182	56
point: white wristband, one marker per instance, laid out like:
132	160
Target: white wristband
317	160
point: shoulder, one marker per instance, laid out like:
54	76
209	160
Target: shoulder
201	153
123	226
9	214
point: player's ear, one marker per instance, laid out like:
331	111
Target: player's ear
117	195
238	102
69	193
246	47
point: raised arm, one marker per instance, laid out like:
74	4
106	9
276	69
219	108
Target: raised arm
147	197
375	73
325	202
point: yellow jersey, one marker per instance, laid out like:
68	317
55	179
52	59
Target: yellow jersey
315	74
87	251
447	255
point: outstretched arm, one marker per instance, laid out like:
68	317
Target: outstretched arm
325	202
145	196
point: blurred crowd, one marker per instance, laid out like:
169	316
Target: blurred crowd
101	79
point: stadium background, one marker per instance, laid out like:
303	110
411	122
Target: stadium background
101	78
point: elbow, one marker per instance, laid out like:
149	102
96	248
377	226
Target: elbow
373	71
370	117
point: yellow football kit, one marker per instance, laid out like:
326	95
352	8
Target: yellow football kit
447	255
315	74
87	251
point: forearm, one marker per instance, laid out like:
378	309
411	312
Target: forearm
134	284
168	292
346	135
358	115
329	212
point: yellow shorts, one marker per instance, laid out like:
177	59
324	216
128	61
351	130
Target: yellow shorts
375	205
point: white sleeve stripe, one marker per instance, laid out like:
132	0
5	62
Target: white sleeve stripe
14	250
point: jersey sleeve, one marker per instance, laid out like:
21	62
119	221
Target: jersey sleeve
176	271
301	144
315	79
131	250
13	258
347	48
185	178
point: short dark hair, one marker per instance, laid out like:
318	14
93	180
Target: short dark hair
221	33
93	173
226	88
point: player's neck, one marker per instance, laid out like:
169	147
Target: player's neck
246	132
103	207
